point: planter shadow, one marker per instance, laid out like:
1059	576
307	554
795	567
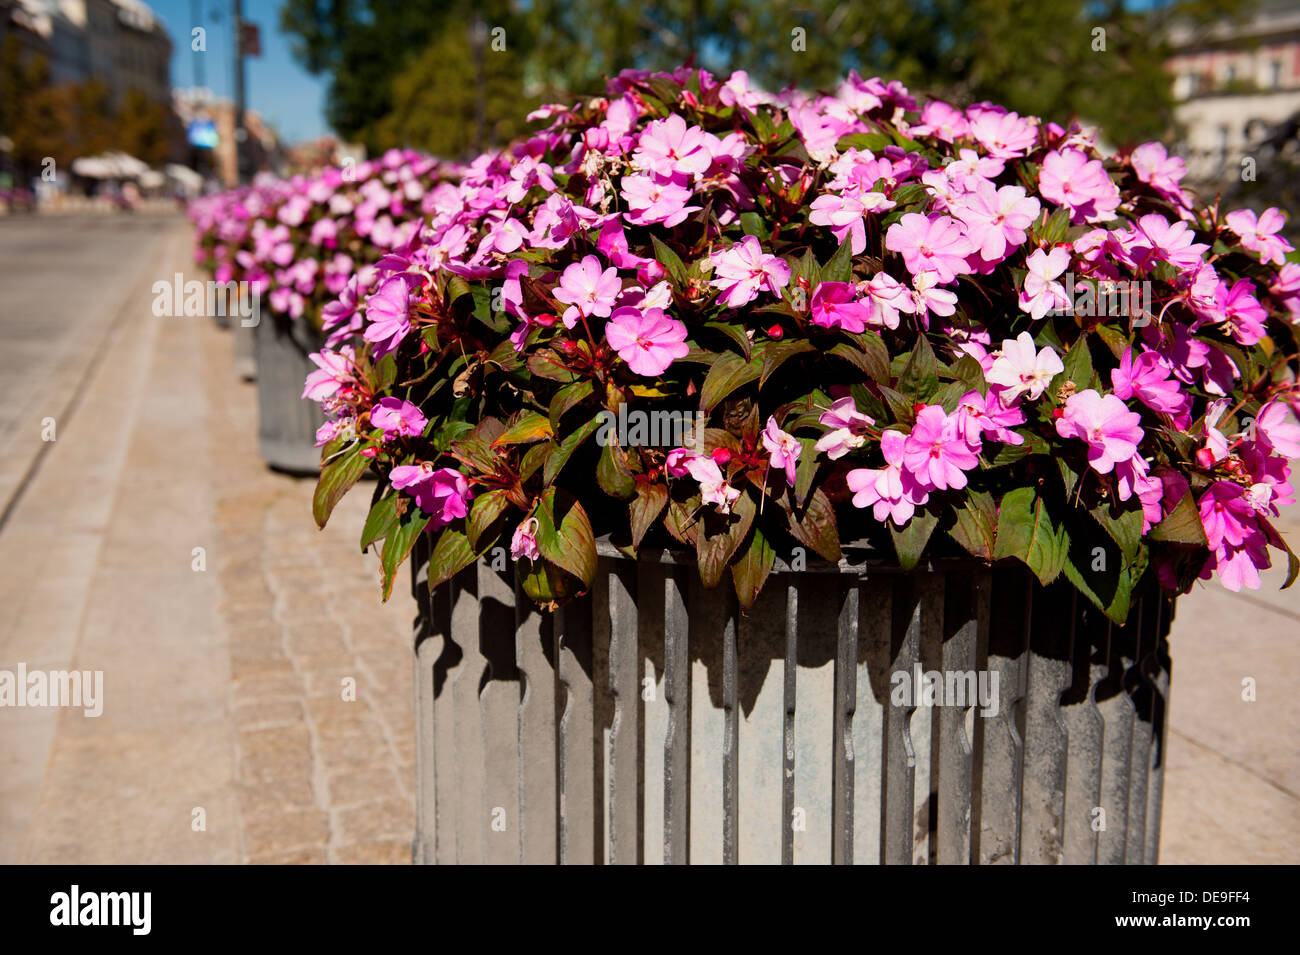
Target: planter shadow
650	722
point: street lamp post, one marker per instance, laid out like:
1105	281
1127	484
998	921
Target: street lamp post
241	131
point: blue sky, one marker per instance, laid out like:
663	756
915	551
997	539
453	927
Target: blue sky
286	96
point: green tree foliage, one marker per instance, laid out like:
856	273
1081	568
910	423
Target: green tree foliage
1097	60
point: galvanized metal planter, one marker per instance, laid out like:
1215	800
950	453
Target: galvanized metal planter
649	722
245	350
287	422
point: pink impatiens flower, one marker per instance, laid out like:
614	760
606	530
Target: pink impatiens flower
744	268
935	452
835	305
783	448
523	543
1042	293
934	243
996	219
1004	134
1112	432
653	200
1148	379
1260	235
442	493
891	492
398	417
845	213
848	428
648	341
1159	170
985	415
668	147
714	488
1070	178
1022	369
1277	431
587	290
387	314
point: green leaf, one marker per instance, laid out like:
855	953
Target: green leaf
547	584
839	268
529	427
1077	364
753	224
670	261
977	524
536	456
398	544
1102	572
1052	232
1124	527
1182	525
612	473
814	525
720	535
736	333
562	451
567	398
920	375
728	373
546	364
484	513
750	569
778	353
1027	531
451	554
646	508
564	535
909	543
382	519
335	480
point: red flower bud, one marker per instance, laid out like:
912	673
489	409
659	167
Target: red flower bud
721	456
1058	413
776	331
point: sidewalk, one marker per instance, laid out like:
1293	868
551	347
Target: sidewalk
224	686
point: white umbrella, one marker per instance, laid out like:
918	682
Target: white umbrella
110	165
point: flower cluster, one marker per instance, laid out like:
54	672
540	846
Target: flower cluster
910	326
306	241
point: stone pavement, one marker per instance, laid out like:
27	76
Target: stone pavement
224	687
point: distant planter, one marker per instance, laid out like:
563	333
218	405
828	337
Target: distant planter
651	723
287	423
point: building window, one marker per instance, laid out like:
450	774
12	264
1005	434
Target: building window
1275	74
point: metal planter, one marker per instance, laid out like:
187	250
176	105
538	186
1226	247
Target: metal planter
649	722
287	423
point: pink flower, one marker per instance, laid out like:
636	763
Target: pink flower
714	488
1041	293
651	200
1070	178
443	493
1156	239
942	121
935	453
744	268
524	541
387	313
934	243
1022	370
1276	432
1148	379
587	290
397	417
996	219
676	461
835	305
783	449
668	147
928	297
334	372
979	415
1241	311
1112	432
648	341
1159	170
1260	235
890	492
848	429
887	297
844	214
1004	134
